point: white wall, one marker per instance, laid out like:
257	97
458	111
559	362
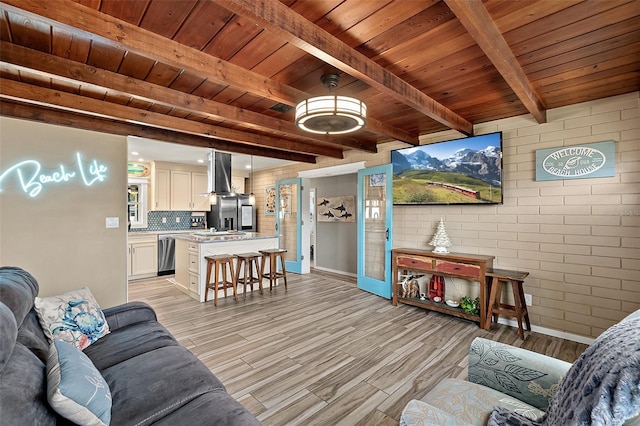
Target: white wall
60	236
336	243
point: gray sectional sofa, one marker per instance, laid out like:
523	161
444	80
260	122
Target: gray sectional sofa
151	377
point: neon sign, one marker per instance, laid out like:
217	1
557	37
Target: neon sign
32	181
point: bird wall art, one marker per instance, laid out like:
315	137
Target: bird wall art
336	209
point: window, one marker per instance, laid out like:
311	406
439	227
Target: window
137	202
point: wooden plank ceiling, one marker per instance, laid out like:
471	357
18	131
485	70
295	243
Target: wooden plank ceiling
224	73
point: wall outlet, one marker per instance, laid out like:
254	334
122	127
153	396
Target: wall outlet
164	220
528	299
177	220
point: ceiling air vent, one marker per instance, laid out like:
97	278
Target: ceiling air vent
281	108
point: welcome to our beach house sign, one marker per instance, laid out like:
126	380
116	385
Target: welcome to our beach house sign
577	161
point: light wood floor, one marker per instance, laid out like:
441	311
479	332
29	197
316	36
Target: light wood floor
324	352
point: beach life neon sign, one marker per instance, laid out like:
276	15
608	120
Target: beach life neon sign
32	181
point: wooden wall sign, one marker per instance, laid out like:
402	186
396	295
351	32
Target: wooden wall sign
138	169
577	161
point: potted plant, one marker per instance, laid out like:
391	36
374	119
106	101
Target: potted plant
470	306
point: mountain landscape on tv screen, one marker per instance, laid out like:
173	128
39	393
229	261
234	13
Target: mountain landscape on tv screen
465	176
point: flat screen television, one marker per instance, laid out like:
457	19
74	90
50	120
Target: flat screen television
459	171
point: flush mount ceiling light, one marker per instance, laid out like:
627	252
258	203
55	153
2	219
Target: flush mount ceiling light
332	114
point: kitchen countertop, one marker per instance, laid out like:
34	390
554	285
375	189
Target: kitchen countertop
240	236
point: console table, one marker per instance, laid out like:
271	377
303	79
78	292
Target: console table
471	267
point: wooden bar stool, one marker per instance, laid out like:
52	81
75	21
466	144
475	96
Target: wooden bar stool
246	263
220	263
519	309
273	275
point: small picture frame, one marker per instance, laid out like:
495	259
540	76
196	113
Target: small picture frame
377	179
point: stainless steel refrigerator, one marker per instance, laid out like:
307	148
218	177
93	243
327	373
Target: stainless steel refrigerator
232	212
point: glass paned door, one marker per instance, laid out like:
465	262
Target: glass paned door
375	219
289	221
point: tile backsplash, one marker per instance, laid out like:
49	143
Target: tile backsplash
168	221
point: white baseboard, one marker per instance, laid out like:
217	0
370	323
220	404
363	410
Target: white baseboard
550	332
349	274
510	322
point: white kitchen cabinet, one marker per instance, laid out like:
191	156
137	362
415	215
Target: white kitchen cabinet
198	187
142	260
191	265
187	276
179	187
180	190
187	189
162	190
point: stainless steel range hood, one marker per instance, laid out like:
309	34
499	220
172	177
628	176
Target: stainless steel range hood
219	172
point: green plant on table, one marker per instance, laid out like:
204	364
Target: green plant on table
469	305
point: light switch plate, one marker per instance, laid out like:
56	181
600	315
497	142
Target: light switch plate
113	222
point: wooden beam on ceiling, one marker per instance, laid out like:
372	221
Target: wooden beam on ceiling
293	27
55	67
477	21
76	18
81	121
22	92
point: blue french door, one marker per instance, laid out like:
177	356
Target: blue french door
375	220
289	221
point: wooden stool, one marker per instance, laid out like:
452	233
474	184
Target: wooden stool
519	310
248	261
218	263
273	274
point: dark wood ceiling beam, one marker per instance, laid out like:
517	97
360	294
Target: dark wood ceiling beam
75	18
285	22
81	121
478	23
73	72
115	32
22	92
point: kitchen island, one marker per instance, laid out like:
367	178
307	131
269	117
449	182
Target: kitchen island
191	266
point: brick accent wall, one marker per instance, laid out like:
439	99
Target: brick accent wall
579	239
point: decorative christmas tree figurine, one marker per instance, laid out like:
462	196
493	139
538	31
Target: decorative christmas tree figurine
440	240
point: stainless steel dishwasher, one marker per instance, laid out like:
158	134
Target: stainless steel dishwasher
166	254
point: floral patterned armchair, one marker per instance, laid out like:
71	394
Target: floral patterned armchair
499	374
524	383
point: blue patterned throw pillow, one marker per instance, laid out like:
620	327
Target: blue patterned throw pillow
75	388
74	317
